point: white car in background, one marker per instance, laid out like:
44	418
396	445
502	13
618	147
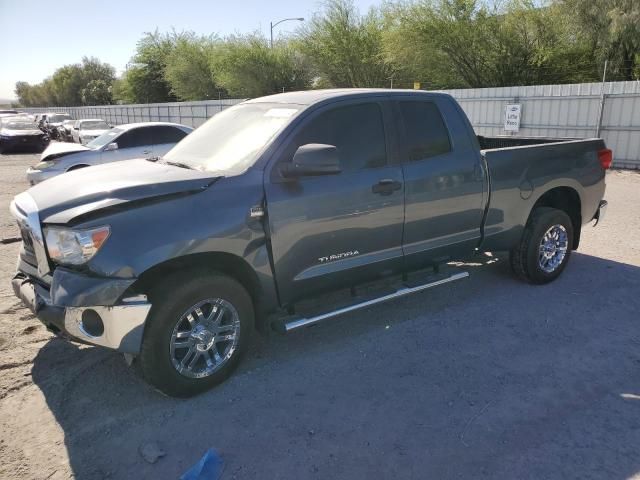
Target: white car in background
88	129
124	142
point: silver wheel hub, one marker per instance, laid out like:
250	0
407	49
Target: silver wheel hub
204	338
553	248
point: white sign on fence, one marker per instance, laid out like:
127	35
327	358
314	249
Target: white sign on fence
512	117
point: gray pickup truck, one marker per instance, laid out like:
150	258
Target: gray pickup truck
284	211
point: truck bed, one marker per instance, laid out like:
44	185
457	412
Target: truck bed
489	143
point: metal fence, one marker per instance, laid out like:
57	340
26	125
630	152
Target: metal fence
193	114
547	110
563	111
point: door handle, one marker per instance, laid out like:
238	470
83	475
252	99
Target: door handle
146	152
386	186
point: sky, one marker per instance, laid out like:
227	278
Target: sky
37	37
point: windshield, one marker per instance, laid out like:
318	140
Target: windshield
58	118
21	125
230	142
104	139
94	125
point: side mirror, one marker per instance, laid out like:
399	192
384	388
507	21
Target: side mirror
313	159
111	146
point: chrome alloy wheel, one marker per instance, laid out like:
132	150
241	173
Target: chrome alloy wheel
553	248
205	338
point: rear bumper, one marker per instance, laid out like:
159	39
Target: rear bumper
600	213
118	327
26	142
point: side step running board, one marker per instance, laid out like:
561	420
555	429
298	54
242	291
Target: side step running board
285	326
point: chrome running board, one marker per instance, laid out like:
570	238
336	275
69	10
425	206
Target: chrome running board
285	326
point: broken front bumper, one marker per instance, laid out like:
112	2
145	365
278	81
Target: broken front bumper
119	327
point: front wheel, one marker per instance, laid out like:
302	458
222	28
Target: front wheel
545	247
197	330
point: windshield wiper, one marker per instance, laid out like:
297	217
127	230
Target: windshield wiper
177	164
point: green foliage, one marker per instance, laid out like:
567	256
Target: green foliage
146	77
611	29
67	85
121	90
97	92
345	47
465	43
245	66
189	68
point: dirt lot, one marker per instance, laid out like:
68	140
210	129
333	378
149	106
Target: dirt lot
486	378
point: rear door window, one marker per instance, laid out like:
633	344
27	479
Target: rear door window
167	134
426	134
138	137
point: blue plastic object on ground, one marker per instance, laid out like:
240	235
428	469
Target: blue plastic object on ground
209	467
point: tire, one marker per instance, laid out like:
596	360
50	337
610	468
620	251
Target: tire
168	323
527	259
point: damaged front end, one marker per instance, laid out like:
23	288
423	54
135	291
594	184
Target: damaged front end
80	306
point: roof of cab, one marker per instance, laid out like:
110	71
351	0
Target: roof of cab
309	97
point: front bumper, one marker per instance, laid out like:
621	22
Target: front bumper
36	176
119	327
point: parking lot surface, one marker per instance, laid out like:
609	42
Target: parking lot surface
485	378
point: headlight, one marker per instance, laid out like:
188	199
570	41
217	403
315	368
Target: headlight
74	247
44	165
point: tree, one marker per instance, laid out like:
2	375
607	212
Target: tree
189	68
345	47
67	84
146	76
245	66
612	30
465	43
97	92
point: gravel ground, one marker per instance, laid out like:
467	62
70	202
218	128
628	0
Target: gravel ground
485	378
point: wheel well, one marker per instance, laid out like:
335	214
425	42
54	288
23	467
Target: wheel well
567	200
75	167
226	263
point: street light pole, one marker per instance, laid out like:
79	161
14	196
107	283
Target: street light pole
271	25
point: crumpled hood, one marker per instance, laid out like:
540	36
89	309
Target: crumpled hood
64	198
58	149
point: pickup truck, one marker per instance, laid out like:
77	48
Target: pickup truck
287	210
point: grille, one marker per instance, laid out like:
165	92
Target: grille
28	252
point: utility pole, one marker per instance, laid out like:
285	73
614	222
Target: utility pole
602	100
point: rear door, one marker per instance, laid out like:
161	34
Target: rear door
332	231
165	137
444	182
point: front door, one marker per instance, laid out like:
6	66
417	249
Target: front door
338	230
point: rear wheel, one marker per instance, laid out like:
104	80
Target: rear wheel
545	247
197	330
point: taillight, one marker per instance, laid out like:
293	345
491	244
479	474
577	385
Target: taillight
606	157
